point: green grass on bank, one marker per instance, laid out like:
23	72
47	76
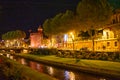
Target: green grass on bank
34	75
97	64
97	67
25	72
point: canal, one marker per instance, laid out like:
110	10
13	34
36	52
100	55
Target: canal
57	72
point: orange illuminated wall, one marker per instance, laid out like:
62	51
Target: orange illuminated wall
36	38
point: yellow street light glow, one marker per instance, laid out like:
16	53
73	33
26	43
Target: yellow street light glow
72	35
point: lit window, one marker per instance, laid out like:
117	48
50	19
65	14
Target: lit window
115	43
108	43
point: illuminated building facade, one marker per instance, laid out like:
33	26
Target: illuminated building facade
109	41
110	38
36	38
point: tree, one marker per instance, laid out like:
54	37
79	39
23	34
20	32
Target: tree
47	27
93	14
58	24
14	36
18	34
51	25
114	3
84	35
66	21
55	24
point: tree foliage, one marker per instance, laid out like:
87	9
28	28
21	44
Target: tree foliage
58	24
18	34
93	13
46	27
114	3
84	35
90	16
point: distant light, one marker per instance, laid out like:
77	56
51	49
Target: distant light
25	51
72	35
65	37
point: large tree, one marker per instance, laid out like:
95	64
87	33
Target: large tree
114	3
93	14
58	24
15	37
47	27
11	35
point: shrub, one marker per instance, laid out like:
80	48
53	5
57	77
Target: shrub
10	71
44	51
105	56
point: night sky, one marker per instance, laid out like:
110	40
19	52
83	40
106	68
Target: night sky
27	14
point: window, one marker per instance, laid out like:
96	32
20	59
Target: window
108	43
107	35
113	21
115	43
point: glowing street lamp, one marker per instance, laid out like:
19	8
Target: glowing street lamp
72	35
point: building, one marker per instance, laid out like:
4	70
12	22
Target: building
109	41
36	38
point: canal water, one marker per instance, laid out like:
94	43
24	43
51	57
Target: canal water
56	72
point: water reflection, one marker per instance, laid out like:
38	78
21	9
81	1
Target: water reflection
50	70
56	72
1	54
8	55
11	57
40	67
23	61
69	75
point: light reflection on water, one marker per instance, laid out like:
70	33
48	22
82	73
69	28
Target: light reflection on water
56	72
50	70
69	75
23	61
